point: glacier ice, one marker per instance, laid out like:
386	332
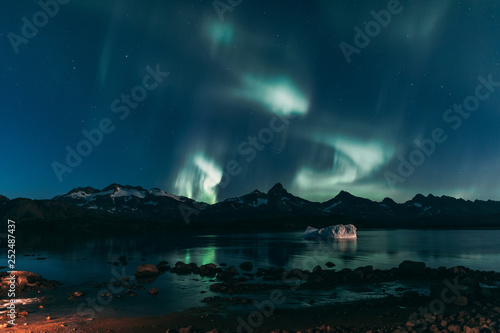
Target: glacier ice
338	231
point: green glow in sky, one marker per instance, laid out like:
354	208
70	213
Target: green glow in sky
279	95
221	33
198	178
354	160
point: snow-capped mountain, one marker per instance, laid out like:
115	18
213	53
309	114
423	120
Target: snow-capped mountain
133	201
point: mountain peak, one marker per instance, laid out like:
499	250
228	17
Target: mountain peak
113	186
418	197
277	186
389	202
88	190
116	186
344	195
277	189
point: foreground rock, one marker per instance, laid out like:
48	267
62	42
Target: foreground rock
468	281
209	270
411	268
183	268
461	300
163	266
246	266
24	281
146	270
376	316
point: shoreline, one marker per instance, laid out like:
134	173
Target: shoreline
459	293
387	315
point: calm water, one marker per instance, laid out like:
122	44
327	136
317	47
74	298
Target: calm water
83	260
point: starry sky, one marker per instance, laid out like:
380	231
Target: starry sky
213	99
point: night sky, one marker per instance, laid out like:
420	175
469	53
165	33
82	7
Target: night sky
321	96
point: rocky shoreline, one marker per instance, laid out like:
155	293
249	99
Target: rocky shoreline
24	282
371	317
459	299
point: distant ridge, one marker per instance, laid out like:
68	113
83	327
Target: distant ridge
276	208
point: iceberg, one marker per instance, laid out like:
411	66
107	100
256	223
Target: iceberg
338	231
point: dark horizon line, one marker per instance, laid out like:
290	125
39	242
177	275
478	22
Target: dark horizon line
341	191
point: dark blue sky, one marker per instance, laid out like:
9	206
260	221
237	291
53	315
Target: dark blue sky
277	91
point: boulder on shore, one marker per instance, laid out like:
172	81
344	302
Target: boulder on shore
24	281
411	268
246	266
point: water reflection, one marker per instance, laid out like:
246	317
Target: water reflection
345	245
68	253
79	258
334	245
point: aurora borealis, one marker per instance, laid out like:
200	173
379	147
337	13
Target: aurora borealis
265	95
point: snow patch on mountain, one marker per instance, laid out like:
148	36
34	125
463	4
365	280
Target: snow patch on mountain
127	193
328	209
160	193
79	194
426	211
109	192
235	200
260	202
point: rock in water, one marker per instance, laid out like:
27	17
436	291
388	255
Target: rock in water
123	260
147	270
411	268
246	266
163	266
338	231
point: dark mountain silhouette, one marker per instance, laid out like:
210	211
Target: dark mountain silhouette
119	205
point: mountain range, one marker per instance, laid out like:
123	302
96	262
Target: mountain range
134	206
